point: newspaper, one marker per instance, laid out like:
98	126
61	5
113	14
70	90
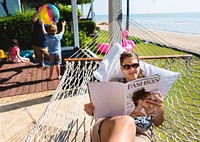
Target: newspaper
116	98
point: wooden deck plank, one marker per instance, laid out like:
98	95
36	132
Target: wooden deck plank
44	76
27	80
54	81
3	79
10	74
38	86
18	67
19	80
33	79
12	86
24	78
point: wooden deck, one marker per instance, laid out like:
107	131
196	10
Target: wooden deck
24	78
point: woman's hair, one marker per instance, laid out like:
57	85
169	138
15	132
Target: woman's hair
128	54
52	29
139	94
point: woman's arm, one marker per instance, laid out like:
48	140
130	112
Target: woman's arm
158	105
43	29
35	15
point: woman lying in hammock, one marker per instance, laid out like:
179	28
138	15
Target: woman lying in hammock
125	128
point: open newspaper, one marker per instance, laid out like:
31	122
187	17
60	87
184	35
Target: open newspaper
116	98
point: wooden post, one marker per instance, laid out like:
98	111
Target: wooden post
115	17
127	16
92	10
19	5
75	23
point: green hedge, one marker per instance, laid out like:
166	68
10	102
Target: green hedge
87	26
17	26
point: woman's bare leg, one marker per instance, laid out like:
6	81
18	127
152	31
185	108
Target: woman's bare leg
118	129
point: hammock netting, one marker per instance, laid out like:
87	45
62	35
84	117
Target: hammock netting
64	118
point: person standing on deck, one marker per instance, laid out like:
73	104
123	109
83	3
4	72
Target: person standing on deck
54	38
39	43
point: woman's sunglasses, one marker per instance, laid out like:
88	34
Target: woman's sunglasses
127	67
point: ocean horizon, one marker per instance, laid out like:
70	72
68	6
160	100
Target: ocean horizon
187	23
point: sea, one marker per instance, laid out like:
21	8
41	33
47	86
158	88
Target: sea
185	23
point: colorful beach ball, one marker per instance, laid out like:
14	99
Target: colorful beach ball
49	14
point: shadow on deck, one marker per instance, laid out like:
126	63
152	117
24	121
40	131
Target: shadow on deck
24	78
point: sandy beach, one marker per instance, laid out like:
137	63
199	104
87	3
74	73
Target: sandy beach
183	41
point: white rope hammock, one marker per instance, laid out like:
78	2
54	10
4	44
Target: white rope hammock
65	120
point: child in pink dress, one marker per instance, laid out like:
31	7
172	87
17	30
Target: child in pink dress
14	53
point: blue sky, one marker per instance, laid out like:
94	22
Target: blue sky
139	6
150	6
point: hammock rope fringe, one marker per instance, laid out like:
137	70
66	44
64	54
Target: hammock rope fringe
65	120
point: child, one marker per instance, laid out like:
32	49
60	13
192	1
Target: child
14	53
54	47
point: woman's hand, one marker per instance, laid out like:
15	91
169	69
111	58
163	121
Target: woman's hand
43	28
156	108
89	108
152	106
156	102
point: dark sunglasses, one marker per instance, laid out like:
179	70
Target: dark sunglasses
127	67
